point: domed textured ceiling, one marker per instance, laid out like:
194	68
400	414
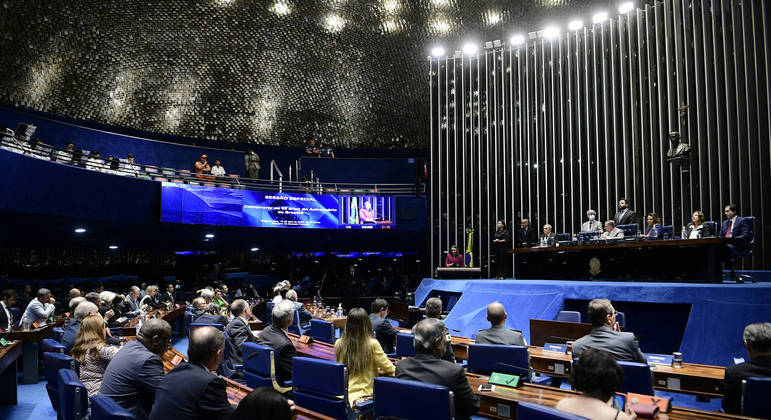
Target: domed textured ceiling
353	73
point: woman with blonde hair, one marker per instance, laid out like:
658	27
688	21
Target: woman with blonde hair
92	352
361	352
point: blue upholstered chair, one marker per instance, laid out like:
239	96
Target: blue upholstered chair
260	367
73	396
713	227
323	331
569	316
405	345
52	363
741	252
638	378
410	400
755	395
188	321
586	236
51	346
58	334
322	386
269	311
533	411
630	230
483	359
16	313
105	408
296	327
226	362
195	325
563	237
667	232
621	319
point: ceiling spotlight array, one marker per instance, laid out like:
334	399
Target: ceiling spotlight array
549	32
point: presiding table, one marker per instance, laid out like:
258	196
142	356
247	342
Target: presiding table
685	260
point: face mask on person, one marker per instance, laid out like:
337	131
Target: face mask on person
591	217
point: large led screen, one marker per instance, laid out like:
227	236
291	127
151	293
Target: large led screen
204	205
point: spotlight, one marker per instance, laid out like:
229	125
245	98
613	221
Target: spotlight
600	17
437	51
209	235
576	25
551	32
626	7
113	247
80	230
517	39
255	249
470	48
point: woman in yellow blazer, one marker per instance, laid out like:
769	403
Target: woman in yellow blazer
360	351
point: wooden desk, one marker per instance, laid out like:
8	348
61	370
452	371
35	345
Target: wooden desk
339	322
30	341
626	260
703	380
404	313
502	403
8	370
317	349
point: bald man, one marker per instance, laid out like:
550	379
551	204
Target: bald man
498	333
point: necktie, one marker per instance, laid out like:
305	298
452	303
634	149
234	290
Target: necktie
590	225
730	227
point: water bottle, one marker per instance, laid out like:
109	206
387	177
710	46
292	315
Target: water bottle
683	234
339	313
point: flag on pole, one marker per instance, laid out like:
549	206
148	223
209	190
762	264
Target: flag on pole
469	247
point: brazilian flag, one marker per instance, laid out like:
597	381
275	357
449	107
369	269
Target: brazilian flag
469	247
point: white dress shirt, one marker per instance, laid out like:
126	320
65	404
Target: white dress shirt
7	314
37	310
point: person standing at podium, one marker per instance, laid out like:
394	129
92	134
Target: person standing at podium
453	259
501	240
526	235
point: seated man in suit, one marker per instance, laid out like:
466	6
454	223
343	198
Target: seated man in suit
39	308
548	236
305	315
611	231
737	227
73	303
82	310
526	235
131	303
7	302
190	390
134	373
199	307
384	331
238	330
434	310
592	224
276	337
498	333
606	336
757	340
211	315
427	366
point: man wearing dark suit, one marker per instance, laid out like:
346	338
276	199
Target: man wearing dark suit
757	340
168	295
526	235
190	390
277	337
498	333
384	331
434	310
134	373
82	310
427	366
211	315
548	236
606	336
737	227
238	330
199	306
624	215
7	302
305	315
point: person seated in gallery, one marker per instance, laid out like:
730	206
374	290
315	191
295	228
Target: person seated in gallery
697	228
757	341
611	231
454	258
652	226
498	333
606	335
597	376
591	224
217	169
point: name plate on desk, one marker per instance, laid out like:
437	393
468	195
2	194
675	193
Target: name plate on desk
659	359
175	361
558	348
